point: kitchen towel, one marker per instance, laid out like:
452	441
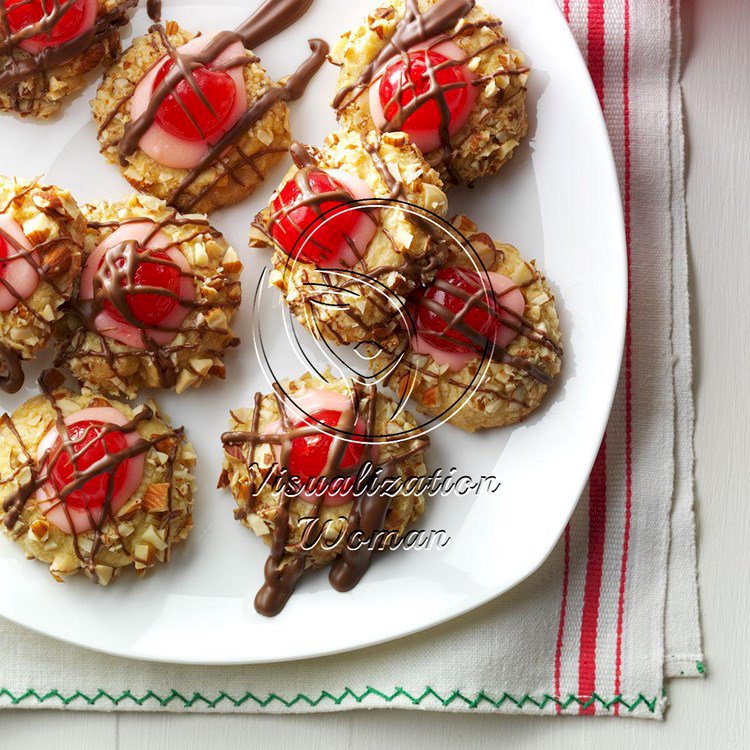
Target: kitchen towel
613	612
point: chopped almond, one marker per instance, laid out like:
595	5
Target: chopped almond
156	497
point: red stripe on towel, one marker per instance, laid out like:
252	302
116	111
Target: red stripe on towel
592	588
598	478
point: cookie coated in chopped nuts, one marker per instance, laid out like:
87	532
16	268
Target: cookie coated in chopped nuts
196	352
53	226
228	180
486	394
258	503
391	167
139	535
42	92
497	121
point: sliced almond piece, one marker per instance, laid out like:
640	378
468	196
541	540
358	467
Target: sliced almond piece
155	498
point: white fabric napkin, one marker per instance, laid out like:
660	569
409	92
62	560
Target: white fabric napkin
614	611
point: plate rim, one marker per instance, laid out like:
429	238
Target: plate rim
619	249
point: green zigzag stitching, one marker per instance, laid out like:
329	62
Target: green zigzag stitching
348	694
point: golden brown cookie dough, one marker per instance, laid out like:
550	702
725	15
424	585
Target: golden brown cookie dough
31	88
235	175
249	457
507	391
400	254
196	352
139	534
49	220
498	120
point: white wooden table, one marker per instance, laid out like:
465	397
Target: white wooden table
710	713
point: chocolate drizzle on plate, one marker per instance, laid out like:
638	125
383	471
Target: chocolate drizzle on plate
153	8
115	281
16	64
269	20
41	468
11	372
284	567
440	23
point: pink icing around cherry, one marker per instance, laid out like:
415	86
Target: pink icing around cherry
509	296
328	232
116	328
316	402
423	126
18	275
75	520
171	150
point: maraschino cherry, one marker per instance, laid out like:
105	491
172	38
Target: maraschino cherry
455	289
403	82
156	272
21	14
3	255
91	445
330	236
309	453
186	115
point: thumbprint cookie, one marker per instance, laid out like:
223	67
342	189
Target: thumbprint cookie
322	438
48	46
92	485
484	341
157	293
349	233
195	119
443	72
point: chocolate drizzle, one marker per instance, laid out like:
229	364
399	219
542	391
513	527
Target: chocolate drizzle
273	17
284	567
438	23
361	281
414	28
42	467
291	90
443	244
427	267
306	164
11	372
153	8
115	281
269	20
19	64
395	186
310	199
457	331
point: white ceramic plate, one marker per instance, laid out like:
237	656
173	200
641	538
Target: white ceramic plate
557	201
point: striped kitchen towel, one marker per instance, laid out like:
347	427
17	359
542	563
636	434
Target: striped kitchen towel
614	611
